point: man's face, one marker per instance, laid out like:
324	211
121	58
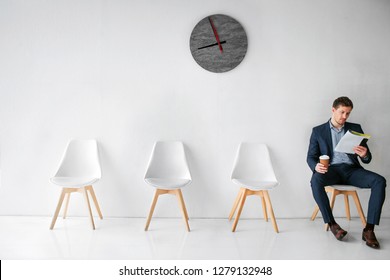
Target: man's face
341	114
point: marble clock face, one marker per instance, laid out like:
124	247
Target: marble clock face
218	43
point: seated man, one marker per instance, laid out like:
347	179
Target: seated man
344	169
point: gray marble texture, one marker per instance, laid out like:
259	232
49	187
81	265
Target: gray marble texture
211	58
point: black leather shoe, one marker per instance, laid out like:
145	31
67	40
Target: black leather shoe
370	238
337	231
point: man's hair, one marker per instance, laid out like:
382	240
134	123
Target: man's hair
342	101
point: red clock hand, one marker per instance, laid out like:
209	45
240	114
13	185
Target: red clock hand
215	34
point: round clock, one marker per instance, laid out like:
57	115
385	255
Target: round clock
218	43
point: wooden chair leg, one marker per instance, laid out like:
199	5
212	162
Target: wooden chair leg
84	191
264	206
240	206
315	212
235	204
67	198
155	198
332	198
62	196
359	208
182	205
93	195
347	208
270	210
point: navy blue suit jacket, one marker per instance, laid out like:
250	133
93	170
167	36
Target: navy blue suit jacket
321	144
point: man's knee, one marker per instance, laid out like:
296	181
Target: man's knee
317	179
380	181
317	182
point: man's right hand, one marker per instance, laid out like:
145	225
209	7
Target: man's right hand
320	168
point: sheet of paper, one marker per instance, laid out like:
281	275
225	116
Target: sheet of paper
349	140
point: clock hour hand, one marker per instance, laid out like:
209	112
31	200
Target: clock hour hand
215	34
212	45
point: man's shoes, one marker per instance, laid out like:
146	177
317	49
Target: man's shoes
337	231
369	236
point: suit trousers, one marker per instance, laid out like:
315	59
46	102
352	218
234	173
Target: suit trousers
347	174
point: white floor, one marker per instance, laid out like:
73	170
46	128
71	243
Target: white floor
27	238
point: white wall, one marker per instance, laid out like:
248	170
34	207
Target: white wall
121	72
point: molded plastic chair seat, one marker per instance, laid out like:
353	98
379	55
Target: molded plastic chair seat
73	182
254	172
344	187
78	170
345	190
167	183
168	172
255	184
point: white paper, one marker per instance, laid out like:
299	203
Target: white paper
349	141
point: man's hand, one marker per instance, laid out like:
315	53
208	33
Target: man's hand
320	168
360	151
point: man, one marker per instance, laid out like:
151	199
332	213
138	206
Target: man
344	169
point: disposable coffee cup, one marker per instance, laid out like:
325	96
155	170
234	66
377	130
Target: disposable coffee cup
324	159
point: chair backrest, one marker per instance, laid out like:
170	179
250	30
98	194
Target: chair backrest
81	159
253	162
168	160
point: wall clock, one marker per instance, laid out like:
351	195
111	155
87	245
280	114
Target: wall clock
218	43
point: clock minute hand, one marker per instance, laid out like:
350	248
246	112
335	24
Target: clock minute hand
212	45
215	34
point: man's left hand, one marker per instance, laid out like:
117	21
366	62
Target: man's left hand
361	151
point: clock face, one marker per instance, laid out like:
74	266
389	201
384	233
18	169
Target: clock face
218	43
